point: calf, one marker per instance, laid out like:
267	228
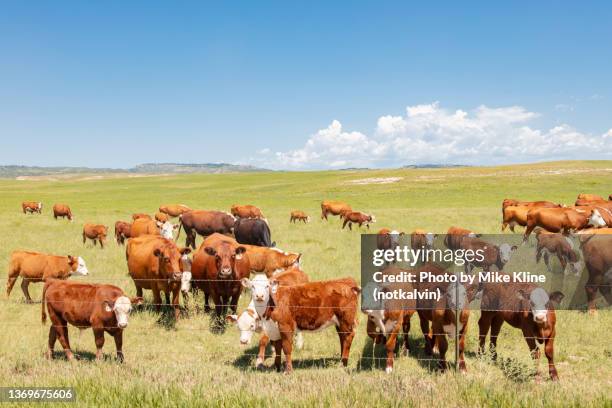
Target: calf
359	218
104	308
253	232
559	245
421	239
246	211
122	231
562	219
30	207
526	307
598	261
299	216
37	267
270	260
62	210
96	233
489	254
334	208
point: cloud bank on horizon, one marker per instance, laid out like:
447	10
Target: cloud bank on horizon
429	133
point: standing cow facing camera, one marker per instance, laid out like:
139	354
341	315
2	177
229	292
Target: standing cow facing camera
63	211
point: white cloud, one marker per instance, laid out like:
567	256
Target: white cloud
431	134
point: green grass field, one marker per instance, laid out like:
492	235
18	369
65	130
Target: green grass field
185	363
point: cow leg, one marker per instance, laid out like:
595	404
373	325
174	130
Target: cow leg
278	348
495	329
119	344
591	293
344	223
287	343
533	348
84	238
167	297
61	326
157	300
10	282
390	346
261	355
175	303
462	332
138	291
547	261
406	330
234	304
439	338
424	322
206	302
99	338
484	324
101	243
52	340
25	282
549	350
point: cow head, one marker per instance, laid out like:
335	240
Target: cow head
225	258
540	302
169	257
308	218
596	220
77	265
456	296
505	252
429	239
260	288
166	229
247	323
121	307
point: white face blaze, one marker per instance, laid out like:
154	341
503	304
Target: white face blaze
538	299
166	229
505	252
247	324
186	276
260	289
596	220
81	267
457	296
429	238
122	309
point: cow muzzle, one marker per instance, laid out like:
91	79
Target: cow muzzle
539	317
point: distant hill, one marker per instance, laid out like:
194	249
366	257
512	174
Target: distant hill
433	166
13	171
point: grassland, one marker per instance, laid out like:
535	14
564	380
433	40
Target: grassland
185	363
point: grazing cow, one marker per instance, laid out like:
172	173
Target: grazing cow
143	226
515	215
62	210
122	231
492	255
246	211
252	320
253	232
31	207
143	216
334	208
37	267
298	215
598	260
387	239
310	307
95	232
524	306
442	314
155	263
271	260
589	197
218	265
384	325
454	235
518	203
161	217
559	245
205	223
422	239
104	308
562	219
174	210
359	218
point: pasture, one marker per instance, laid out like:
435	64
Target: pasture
171	364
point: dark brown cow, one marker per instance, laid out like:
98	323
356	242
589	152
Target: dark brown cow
155	263
359	218
104	308
559	245
161	217
218	266
246	211
298	215
205	223
488	254
95	232
122	231
334	208
174	210
454	235
422	239
562	219
524	306
31	207
314	306
37	267
62	210
597	253
143	216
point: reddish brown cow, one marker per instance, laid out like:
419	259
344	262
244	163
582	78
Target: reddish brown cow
143	226
562	219
174	210
37	267
422	239
518	203
559	245
454	235
524	306
334	208
122	231
514	212
598	260
104	308
488	254
31	207
218	266
387	239
359	218
95	232
298	215
161	217
205	223
62	210
589	197
314	306
246	211
270	260
143	216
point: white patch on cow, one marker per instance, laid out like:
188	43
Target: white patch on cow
596	220
299	340
331	322
81	267
577	267
505	252
308	219
166	229
451	329
457	296
122	309
538	299
429	239
40	206
388	370
186	281
570	242
271	329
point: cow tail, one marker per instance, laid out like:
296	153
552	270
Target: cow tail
44	305
267	238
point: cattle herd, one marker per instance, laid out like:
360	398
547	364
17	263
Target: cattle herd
284	302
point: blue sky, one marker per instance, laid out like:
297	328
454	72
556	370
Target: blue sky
304	85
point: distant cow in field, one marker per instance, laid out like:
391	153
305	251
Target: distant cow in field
96	233
62	210
454	235
31	207
559	245
37	267
161	217
514	212
334	208
358	218
143	216
597	252
122	231
489	254
298	215
246	211
253	232
518	203
387	239
271	260
174	210
422	239
524	306
589	197
562	219
104	308
205	223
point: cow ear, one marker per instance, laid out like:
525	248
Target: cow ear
108	306
240	250
71	259
246	282
157	252
231	318
137	300
185	250
514	248
210	251
556	297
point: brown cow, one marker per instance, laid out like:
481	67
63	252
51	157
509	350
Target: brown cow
313	306
161	217
387	239
334	208
205	223
104	308
270	260
31	207
122	231
514	212
559	245
37	267
246	211
174	210
298	215
518	203
422	239
218	265
486	254
144	226
562	219
155	263
143	216
454	235
524	306
95	232
359	218
598	260
589	197
62	210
